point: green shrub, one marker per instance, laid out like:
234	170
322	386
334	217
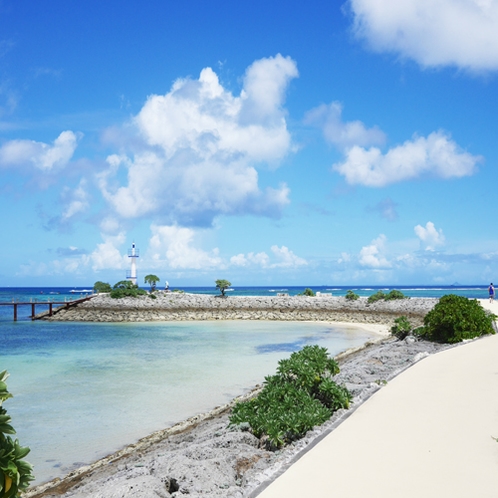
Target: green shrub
351	296
378	296
15	473
418	332
300	396
126	288
401	328
456	318
391	295
99	287
307	292
394	294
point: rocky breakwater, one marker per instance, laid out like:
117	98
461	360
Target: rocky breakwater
178	306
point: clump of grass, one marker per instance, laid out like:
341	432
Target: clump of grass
351	296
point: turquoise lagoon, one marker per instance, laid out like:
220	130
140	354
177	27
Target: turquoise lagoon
84	390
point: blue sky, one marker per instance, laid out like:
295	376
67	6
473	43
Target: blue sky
293	143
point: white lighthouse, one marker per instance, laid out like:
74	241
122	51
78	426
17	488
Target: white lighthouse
132	273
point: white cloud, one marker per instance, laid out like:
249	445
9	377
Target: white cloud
257	259
284	258
459	33
76	200
38	154
372	256
239	260
436	155
107	256
429	236
343	134
173	246
201	147
110	225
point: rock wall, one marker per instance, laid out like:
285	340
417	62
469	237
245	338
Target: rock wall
180	307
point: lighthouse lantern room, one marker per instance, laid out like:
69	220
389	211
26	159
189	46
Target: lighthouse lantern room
132	273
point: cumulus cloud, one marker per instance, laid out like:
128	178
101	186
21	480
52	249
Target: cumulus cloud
107	255
174	246
76	200
343	134
372	256
432	32
436	155
286	258
283	258
429	236
258	259
42	156
201	147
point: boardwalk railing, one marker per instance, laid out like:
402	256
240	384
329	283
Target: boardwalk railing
50	304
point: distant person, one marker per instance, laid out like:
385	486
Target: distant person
491	291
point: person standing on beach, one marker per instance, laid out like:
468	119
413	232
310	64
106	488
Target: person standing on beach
491	290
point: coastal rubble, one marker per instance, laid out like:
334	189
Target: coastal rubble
174	306
205	457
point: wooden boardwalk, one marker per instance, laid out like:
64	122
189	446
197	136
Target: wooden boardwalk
50	304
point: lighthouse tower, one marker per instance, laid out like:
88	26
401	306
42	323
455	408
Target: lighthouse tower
132	273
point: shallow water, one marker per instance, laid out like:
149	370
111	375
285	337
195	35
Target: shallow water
84	390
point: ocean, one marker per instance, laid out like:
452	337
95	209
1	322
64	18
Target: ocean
84	390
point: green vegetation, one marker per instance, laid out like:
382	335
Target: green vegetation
152	281
99	287
300	396
222	285
379	296
401	328
307	292
15	473
125	288
456	318
351	296
395	294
